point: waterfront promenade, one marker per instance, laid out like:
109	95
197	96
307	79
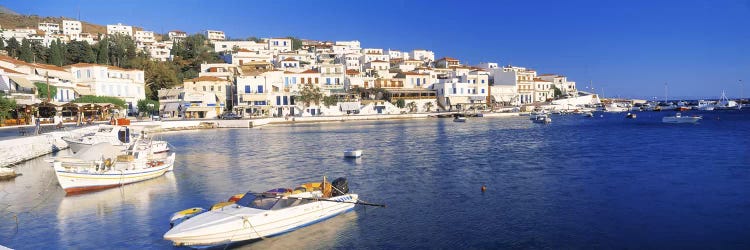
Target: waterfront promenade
15	148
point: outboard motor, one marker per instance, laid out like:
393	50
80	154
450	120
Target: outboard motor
340	187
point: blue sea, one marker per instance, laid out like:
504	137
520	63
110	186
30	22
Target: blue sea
601	182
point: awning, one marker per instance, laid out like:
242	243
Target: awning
23	82
200	109
477	98
455	100
172	106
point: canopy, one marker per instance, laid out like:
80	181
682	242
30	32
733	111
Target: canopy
169	107
23	82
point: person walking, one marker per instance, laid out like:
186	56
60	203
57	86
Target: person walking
37	126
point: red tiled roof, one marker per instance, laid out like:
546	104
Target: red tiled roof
378	61
352	72
49	67
448	59
539	80
83	65
244	50
410	73
206	79
289	59
7	70
310	71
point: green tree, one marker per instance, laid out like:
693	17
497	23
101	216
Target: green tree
121	50
102	52
148	106
330	101
255	39
42	90
79	52
400	103
7	106
310	94
56	53
13	47
40	52
26	54
296	42
558	92
101	99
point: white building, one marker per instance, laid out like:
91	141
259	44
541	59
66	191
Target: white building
520	77
103	80
160	51
224	71
70	27
49	28
177	35
423	55
398	54
243	56
119	29
561	82
488	66
144	38
280	44
461	93
215	35
229	46
351	44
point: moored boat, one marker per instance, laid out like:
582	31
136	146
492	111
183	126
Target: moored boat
542	119
352	153
267	214
678	118
104	166
115	135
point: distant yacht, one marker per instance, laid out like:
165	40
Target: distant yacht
725	103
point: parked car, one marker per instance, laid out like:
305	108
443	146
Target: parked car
230	116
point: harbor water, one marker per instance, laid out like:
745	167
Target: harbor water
601	182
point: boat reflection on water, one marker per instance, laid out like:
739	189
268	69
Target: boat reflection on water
323	235
131	205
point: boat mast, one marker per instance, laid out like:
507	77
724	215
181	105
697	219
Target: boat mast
665	93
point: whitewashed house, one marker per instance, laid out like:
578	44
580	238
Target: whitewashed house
119	28
215	35
103	80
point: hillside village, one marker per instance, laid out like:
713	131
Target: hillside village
267	77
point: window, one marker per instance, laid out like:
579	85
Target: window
482	91
482	80
286	81
286	100
260	88
418	81
316	80
247	89
212	87
204	88
328	81
454	90
303	80
78	74
294	80
278	100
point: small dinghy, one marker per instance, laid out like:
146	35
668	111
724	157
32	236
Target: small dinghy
353	153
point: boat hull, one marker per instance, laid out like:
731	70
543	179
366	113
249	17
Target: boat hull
261	225
680	119
76	146
353	153
74	182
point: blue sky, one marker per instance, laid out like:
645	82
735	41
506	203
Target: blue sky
625	48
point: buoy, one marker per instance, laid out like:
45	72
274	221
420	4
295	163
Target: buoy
484	188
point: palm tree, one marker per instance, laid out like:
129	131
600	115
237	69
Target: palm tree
412	107
428	106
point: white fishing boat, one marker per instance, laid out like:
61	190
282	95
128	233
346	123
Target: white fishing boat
678	118
724	103
104	165
268	214
352	153
705	105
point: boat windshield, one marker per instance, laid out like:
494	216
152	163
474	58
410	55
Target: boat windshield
252	200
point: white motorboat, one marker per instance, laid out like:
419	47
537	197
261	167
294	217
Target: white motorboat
459	119
268	214
115	135
705	105
542	119
353	153
678	118
104	165
7	173
616	107
631	116
587	114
